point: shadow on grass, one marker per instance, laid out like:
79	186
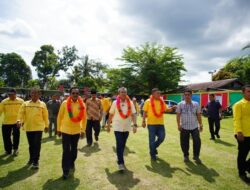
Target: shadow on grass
163	168
122	180
200	169
219	141
126	151
4	160
90	150
59	183
53	138
16	176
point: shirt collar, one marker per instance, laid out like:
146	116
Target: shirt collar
245	101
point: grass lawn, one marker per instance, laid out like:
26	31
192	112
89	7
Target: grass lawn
96	166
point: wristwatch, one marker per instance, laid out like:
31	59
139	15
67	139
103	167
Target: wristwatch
135	125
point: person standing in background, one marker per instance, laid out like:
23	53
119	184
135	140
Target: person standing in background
94	117
33	115
214	112
106	103
53	107
137	107
241	118
10	107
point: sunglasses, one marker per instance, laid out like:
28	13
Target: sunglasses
75	93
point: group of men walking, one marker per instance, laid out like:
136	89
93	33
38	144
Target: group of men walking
73	118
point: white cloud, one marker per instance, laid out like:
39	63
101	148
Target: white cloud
17	28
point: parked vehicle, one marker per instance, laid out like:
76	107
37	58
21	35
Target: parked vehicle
171	103
227	112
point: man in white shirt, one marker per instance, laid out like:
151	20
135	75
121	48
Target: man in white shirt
121	114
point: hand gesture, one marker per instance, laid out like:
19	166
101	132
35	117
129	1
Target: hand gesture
59	134
82	135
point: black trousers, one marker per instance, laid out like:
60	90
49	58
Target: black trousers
212	122
243	150
69	144
34	140
7	130
92	124
184	138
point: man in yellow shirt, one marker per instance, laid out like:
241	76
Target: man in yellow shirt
154	109
71	122
33	115
241	112
10	107
106	104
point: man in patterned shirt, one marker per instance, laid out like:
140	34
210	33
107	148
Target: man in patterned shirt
94	116
189	122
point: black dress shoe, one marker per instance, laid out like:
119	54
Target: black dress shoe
245	178
218	136
212	138
65	176
96	138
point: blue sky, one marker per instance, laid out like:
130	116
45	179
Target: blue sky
207	33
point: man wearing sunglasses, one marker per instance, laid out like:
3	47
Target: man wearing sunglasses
71	122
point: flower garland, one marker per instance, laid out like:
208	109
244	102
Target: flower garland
69	109
118	105
153	107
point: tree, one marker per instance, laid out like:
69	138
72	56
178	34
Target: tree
89	73
238	67
48	63
33	83
14	71
45	61
153	65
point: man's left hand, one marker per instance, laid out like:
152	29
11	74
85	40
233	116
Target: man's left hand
82	135
46	129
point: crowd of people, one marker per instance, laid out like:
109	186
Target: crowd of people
76	117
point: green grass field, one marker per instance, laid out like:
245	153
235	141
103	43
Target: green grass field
96	166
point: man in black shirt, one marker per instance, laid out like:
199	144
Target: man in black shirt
214	111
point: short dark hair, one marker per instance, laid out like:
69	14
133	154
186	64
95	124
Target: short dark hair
35	89
11	91
188	90
211	95
154	90
72	88
93	91
245	86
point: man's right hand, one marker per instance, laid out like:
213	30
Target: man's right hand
19	124
59	134
240	137
108	128
143	124
179	128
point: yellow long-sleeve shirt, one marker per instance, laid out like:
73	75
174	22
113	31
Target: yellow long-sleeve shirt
34	115
241	111
151	118
64	123
106	104
10	110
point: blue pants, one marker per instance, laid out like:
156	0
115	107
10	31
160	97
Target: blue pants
121	139
153	132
